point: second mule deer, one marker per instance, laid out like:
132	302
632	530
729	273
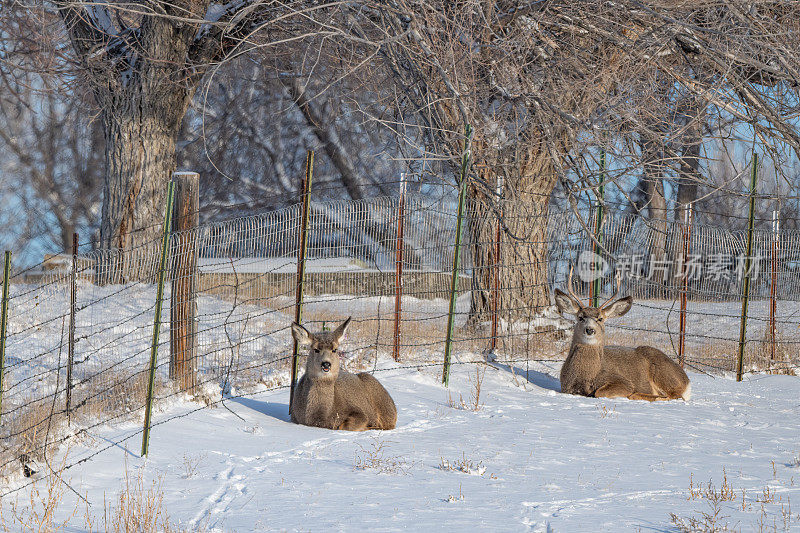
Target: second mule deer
328	397
593	369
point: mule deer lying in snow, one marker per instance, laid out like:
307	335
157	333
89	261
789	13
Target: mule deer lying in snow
593	369
328	397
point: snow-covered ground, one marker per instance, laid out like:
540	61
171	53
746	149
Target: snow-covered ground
530	458
534	458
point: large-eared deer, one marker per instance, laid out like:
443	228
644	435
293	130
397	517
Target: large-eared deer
329	397
594	369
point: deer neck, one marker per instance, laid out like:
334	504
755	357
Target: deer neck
320	397
586	358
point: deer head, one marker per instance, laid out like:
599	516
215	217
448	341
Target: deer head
590	325
323	353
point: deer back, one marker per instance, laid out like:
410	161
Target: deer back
649	367
629	364
362	392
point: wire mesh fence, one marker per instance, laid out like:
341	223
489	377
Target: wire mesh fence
231	287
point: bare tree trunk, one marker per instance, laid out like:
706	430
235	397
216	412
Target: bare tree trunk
529	182
140	158
66	237
653	165
142	110
689	169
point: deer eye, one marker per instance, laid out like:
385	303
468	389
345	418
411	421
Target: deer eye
335	350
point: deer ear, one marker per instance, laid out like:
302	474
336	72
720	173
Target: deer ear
619	308
301	334
566	303
339	332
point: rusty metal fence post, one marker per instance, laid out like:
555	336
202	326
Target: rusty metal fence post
301	265
598	231
687	243
398	280
773	301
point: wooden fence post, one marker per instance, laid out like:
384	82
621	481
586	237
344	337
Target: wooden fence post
182	312
398	283
4	322
73	278
747	259
157	321
301	265
448	343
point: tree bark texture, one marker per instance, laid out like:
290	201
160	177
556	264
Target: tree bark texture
523	261
659	273
142	110
689	164
143	79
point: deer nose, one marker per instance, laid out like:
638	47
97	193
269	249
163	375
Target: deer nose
590	331
326	366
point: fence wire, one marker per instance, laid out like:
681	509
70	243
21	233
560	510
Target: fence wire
230	297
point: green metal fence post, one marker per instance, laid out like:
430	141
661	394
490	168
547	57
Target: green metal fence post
301	266
456	256
598	228
157	321
73	308
747	259
4	323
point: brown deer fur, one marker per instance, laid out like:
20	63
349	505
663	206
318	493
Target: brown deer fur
593	369
329	397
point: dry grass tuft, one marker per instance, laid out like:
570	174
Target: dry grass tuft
45	497
375	458
34	427
726	493
712	520
467	466
453	498
191	463
605	412
795	462
772	512
784	360
474	403
138	508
